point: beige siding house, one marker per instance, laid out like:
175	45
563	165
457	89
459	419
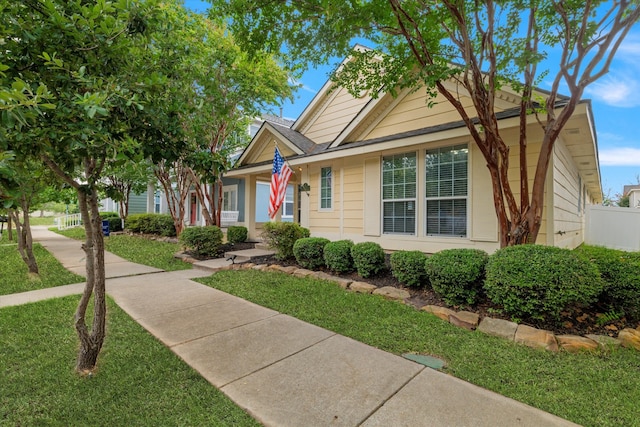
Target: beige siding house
392	171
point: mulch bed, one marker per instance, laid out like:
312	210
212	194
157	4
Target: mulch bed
575	321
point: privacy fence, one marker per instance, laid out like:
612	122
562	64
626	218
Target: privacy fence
617	228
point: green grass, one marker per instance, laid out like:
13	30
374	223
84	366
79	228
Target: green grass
139	382
590	389
45	220
14	277
137	249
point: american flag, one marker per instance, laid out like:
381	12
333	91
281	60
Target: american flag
280	175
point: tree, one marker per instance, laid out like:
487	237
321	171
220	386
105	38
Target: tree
93	59
122	179
224	88
479	46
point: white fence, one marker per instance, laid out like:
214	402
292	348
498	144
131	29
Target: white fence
617	228
228	218
68	221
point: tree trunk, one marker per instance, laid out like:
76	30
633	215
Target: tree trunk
10	228
91	341
25	240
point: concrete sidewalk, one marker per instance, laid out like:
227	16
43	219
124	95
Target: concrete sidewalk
286	372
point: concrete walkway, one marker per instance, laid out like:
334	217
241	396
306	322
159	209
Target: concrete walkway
283	371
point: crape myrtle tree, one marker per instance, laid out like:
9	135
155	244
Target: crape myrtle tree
92	58
22	189
231	88
480	46
223	88
122	179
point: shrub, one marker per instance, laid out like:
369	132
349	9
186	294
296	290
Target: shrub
408	267
160	224
540	281
337	256
456	275
620	272
202	241
280	236
237	234
368	258
309	252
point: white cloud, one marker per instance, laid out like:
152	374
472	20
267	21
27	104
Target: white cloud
616	91
629	50
302	86
622	156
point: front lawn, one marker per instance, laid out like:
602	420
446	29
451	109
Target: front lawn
14	277
590	389
153	253
140	382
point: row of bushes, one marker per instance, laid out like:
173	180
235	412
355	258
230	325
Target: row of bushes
206	241
526	281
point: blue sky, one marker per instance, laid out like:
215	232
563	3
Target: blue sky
615	100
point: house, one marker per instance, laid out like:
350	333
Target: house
633	192
391	171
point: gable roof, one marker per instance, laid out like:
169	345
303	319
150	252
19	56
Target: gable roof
337	121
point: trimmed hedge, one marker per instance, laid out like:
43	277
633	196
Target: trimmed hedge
237	234
540	281
368	258
620	272
337	256
309	252
409	267
280	236
202	241
160	224
456	275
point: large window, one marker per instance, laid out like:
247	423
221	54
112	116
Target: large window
230	198
325	188
446	191
399	194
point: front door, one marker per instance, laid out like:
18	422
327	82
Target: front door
194	208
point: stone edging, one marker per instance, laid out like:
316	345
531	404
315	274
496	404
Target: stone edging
527	335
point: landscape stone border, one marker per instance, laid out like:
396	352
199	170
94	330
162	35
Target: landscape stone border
523	334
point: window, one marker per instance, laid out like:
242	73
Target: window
446	191
230	198
156	202
325	188
287	205
399	194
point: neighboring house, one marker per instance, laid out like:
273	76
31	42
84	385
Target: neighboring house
633	192
233	201
390	170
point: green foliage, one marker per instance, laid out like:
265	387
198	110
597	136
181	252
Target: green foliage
456	274
237	234
309	252
15	276
368	258
620	272
337	256
159	224
202	241
408	267
281	236
540	281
